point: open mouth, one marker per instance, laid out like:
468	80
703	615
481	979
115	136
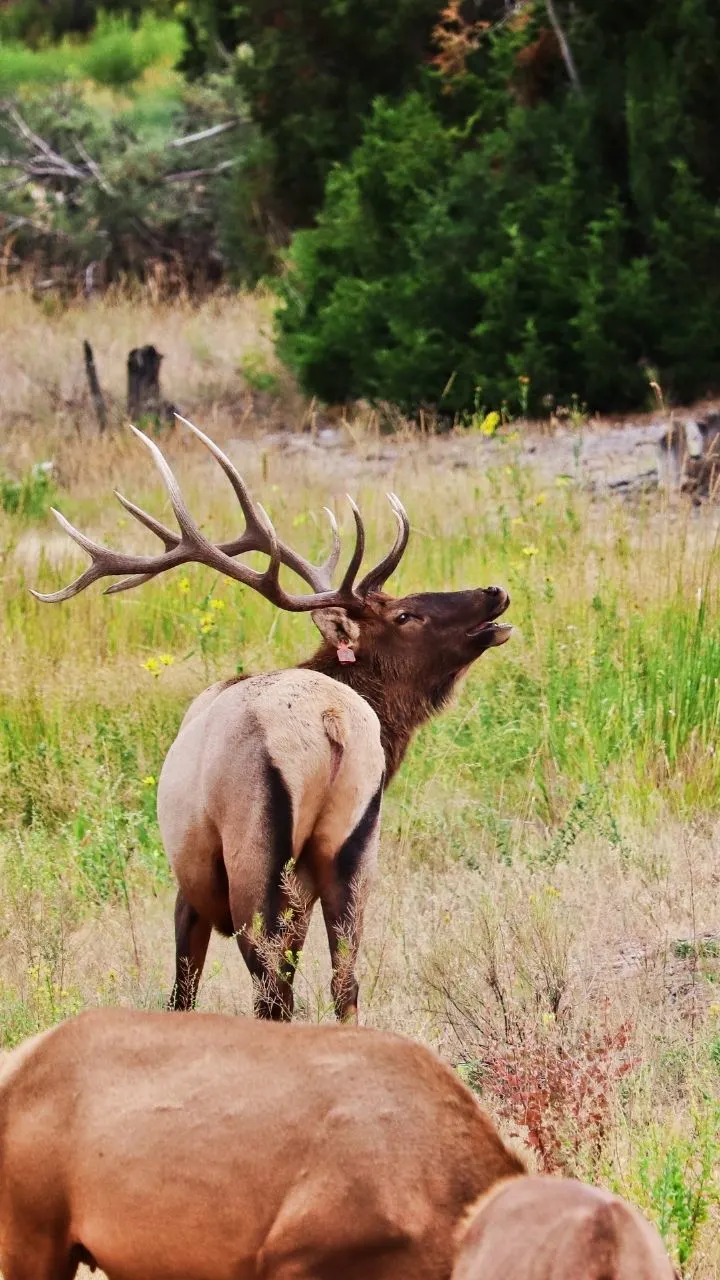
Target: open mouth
490	624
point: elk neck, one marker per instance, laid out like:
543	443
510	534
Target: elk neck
400	706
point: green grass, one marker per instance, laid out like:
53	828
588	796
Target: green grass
117	56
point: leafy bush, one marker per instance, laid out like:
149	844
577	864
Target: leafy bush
118	55
478	237
673	1179
31	497
309	74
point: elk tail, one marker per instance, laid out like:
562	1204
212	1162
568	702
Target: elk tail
332	724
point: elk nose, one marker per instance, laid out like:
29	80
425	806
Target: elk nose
494	591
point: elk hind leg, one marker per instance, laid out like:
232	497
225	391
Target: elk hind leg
192	938
260	876
344	884
272	959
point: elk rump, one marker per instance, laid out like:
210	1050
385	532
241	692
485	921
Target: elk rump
558	1229
184	1146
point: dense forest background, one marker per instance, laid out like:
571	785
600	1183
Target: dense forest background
458	207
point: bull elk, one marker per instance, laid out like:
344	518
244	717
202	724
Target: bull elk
558	1229
289	768
135	1144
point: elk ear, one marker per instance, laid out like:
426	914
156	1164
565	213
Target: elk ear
338	630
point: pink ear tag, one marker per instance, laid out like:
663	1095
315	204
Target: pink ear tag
344	652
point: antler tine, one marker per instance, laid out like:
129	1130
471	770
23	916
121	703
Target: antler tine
328	567
255	532
187	525
347	584
255	538
377	577
160	530
86	579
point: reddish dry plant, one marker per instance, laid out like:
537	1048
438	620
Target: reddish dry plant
563	1097
456	39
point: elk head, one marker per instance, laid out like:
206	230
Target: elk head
403	655
425	640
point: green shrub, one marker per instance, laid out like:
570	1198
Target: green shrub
116	54
473	245
31	497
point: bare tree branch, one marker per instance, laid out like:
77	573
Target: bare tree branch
187	175
212	132
565	49
69	170
94	168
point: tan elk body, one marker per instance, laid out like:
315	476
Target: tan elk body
558	1229
289	768
199	1147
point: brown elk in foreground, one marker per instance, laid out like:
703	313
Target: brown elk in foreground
558	1229
167	1146
289	768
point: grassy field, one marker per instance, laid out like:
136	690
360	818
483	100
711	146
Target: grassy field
546	914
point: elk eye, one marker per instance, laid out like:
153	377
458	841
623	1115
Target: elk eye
402	618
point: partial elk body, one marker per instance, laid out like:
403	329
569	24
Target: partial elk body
558	1229
200	1147
289	768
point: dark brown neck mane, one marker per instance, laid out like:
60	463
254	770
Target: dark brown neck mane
399	706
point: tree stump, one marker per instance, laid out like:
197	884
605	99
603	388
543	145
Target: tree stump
144	398
691	447
96	394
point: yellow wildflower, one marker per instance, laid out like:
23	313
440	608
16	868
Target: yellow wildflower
489	424
152	665
166	659
149	781
540	499
218	605
184	586
530	551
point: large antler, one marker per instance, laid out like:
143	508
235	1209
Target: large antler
191	546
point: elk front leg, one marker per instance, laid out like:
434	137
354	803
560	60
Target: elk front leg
192	938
